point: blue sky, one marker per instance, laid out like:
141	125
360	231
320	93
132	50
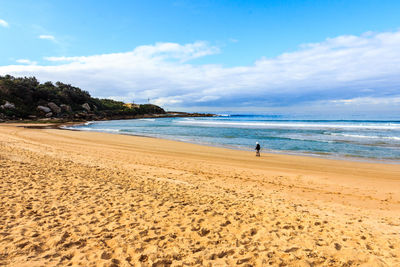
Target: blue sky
208	55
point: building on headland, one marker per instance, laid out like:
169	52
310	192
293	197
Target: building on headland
131	105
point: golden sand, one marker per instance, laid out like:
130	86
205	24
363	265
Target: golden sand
96	199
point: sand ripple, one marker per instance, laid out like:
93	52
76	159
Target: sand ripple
60	208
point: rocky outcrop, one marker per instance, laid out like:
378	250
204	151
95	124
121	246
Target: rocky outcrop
8	105
29	97
43	109
54	108
66	108
86	107
48	115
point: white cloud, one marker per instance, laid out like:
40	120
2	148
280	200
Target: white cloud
341	68
26	61
207	98
159	51
167	101
47	37
4	23
393	100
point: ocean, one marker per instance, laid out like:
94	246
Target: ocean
376	140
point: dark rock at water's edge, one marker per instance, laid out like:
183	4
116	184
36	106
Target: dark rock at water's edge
187	114
25	99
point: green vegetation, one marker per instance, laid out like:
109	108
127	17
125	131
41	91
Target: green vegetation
24	95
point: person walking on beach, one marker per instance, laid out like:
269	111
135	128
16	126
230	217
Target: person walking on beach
258	147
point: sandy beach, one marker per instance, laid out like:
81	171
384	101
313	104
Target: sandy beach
97	199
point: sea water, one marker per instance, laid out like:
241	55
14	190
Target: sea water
362	139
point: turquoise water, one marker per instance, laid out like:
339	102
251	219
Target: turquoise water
362	139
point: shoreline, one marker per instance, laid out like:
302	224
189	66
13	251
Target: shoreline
55	120
77	197
351	158
267	155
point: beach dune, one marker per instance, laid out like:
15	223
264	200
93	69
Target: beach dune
97	199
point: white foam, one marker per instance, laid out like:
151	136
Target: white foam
292	125
367	136
94	129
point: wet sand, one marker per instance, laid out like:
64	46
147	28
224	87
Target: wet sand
96	199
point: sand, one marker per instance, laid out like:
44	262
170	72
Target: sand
96	199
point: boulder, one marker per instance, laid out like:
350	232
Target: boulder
48	115
66	108
56	109
44	109
86	107
8	105
81	115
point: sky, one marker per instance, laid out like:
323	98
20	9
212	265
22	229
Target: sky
240	56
